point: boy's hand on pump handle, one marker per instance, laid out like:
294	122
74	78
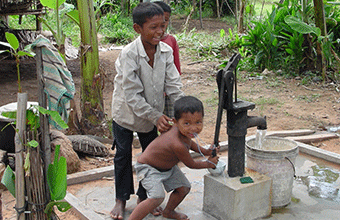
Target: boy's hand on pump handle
214	159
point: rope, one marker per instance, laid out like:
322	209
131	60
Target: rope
36	205
21	210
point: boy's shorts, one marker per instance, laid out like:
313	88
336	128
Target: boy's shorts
155	181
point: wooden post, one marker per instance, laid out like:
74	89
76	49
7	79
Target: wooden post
19	160
44	124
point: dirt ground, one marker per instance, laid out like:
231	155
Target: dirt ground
286	103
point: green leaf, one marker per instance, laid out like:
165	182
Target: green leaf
57	118
230	33
53	4
49	208
57	176
54	115
301	27
61	179
12	40
32	119
290	51
248	9
275	41
23	53
27	164
222	33
11	114
74	16
8	180
33	143
63	206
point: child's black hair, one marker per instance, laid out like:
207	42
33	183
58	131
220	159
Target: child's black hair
145	10
164	6
187	104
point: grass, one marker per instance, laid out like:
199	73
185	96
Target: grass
308	98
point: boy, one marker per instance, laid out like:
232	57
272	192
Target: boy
145	70
168	38
171	41
157	165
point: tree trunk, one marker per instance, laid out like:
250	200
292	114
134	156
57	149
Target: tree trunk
320	22
92	106
218	9
241	16
186	24
201	14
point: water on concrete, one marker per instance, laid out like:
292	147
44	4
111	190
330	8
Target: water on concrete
315	193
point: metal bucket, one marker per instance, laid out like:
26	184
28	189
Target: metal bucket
275	159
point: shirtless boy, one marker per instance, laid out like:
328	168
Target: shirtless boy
157	166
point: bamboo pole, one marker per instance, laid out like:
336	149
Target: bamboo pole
19	160
45	129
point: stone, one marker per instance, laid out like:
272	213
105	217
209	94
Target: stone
66	150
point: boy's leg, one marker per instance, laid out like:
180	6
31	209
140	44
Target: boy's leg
176	197
181	186
144	208
123	168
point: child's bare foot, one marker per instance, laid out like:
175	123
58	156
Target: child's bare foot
174	215
118	210
156	212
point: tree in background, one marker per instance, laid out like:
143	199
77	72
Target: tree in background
92	106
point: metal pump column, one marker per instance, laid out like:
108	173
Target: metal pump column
237	119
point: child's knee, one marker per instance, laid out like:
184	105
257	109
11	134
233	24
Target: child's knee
184	190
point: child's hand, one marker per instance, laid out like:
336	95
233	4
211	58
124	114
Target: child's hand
214	147
163	123
214	161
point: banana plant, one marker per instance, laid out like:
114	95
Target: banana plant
60	8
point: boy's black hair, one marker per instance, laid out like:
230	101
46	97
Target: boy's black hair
145	10
187	104
164	6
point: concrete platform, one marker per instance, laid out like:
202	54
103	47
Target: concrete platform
97	197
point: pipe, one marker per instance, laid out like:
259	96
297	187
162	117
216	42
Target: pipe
260	122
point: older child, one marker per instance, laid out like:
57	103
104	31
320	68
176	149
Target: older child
171	41
145	70
157	165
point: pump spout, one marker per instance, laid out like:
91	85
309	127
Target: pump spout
260	122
